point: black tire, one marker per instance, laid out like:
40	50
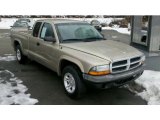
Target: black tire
80	88
100	29
21	59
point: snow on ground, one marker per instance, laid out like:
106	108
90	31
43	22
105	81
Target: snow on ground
150	80
12	91
120	30
5	23
101	20
7	57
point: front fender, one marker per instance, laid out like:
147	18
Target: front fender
70	59
20	43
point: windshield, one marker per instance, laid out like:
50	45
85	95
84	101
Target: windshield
20	24
75	32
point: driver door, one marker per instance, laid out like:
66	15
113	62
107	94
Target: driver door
48	50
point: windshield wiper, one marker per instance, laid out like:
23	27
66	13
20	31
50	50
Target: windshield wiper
93	39
84	40
72	40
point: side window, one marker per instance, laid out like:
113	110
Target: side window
47	31
36	29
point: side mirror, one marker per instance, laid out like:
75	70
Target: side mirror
49	39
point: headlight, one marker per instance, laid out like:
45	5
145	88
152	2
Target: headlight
99	70
143	59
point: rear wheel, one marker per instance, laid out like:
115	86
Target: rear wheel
72	82
19	55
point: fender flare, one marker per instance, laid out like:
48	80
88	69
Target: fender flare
20	43
70	59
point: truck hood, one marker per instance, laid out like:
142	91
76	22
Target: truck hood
107	49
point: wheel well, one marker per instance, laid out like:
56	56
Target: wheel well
65	63
15	44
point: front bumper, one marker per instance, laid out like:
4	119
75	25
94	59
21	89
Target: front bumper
111	80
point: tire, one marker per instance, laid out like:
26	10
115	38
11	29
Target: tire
72	82
100	29
19	55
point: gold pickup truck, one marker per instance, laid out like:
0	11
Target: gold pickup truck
78	53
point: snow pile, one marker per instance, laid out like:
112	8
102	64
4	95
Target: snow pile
8	57
120	30
12	91
150	80
5	23
101	20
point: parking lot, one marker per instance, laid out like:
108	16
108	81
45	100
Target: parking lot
45	86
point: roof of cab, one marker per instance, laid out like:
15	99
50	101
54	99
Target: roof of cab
60	21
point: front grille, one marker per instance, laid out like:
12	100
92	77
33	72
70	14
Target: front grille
124	65
119	63
119	69
135	59
134	65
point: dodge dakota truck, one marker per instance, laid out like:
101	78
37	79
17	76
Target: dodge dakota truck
78	53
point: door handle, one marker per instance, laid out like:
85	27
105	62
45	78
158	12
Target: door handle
38	44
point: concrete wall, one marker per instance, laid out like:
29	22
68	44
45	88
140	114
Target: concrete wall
152	36
137	33
154	43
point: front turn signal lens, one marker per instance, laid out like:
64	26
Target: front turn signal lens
98	73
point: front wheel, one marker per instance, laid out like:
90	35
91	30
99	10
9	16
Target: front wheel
72	82
19	55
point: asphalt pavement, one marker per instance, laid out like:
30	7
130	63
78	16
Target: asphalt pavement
44	84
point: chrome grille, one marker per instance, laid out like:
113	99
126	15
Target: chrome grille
124	65
135	59
119	69
134	65
119	63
